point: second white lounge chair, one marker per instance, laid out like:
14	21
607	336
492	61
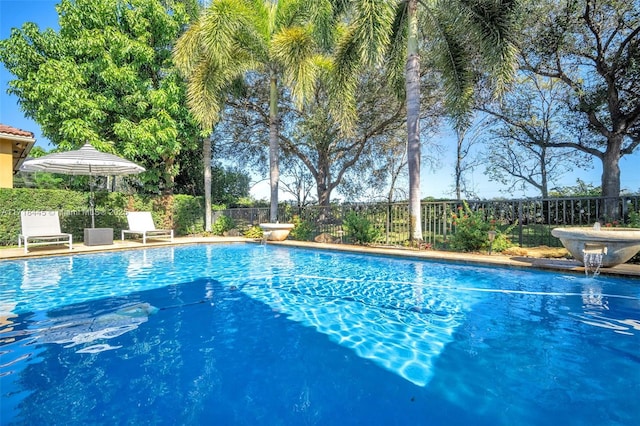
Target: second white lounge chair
42	226
142	223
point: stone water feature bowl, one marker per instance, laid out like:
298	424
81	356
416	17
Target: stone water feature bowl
618	244
276	231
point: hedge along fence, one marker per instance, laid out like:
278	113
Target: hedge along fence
183	213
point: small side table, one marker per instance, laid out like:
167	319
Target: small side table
98	236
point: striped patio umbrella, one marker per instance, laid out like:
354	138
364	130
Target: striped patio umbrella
84	161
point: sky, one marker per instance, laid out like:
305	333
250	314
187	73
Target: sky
435	183
13	13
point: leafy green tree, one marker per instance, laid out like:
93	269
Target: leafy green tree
107	78
189	179
580	189
463	163
227	185
356	162
230	185
592	47
521	132
378	172
299	182
381	170
235	39
460	38
319	141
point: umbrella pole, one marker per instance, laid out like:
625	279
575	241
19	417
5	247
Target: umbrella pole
92	202
92	210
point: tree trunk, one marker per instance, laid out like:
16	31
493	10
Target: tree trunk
169	178
460	136
324	196
544	182
413	124
206	159
323	186
611	178
274	172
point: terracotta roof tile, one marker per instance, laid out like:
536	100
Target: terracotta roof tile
14	131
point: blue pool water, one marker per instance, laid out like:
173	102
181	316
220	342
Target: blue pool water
247	334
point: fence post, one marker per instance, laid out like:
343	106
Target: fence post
520	224
443	221
388	223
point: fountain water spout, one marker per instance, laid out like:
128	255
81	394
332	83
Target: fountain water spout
593	254
265	237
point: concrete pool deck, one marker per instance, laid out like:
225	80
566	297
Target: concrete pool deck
564	265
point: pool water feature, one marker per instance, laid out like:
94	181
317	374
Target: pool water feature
592	258
249	334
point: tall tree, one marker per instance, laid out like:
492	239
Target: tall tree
206	163
461	36
380	172
593	47
466	138
522	130
227	185
107	78
233	39
314	135
300	184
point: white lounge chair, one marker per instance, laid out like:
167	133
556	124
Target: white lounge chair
142	223
42	226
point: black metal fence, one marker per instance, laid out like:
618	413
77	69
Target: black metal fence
528	222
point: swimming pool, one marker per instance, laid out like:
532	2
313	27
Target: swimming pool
247	334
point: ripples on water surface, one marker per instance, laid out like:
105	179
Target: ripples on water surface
245	334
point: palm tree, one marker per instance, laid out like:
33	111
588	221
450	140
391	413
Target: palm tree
234	38
464	39
206	161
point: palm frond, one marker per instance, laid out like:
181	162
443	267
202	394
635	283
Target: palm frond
372	21
222	25
203	95
448	52
294	48
467	42
261	14
324	17
396	56
290	13
343	80
187	51
492	28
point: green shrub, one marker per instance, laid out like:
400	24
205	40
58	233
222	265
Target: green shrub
222	224
634	219
183	213
302	230
188	214
73	208
253	232
359	229
472	231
